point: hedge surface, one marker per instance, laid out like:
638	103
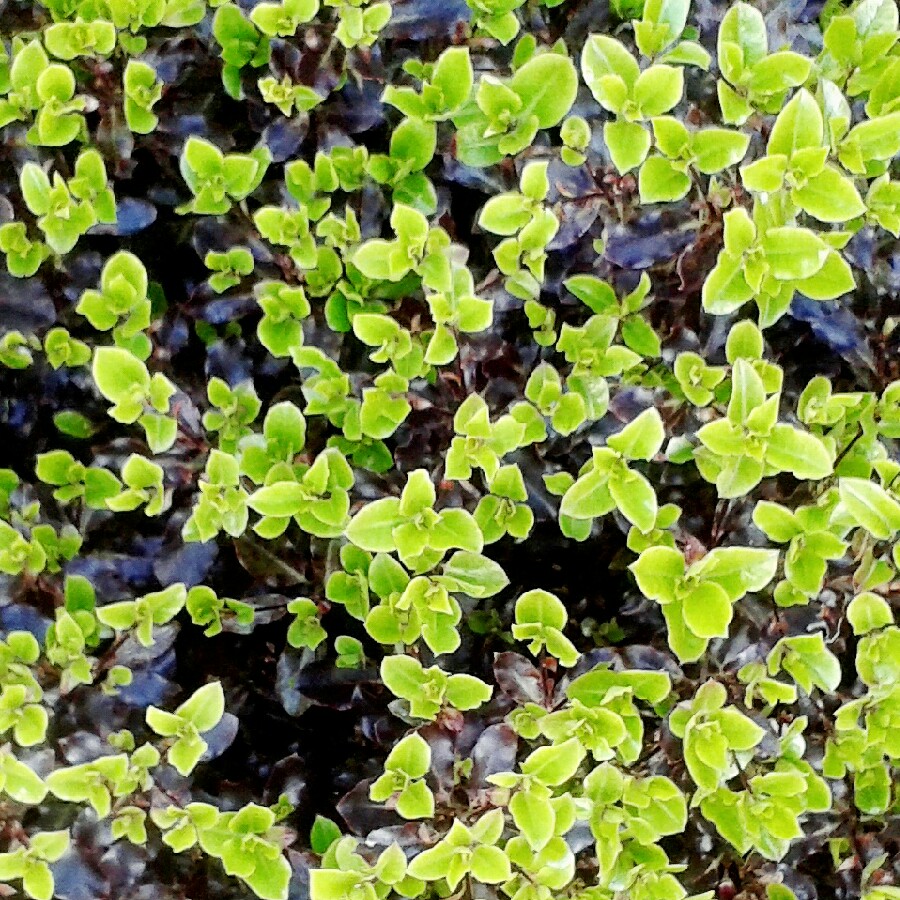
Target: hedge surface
448	449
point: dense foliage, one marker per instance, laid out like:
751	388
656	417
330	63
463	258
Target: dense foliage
449	449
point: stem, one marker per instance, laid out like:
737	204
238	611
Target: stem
849	447
741	773
280	564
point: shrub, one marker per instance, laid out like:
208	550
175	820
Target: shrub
449	449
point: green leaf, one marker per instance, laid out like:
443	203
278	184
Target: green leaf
467	692
592	688
35	187
332	884
534	182
715	149
671	14
725	288
745	341
473	574
505	214
642	438
635	498
541	607
707	610
738	569
402	675
184	754
411	755
742	733
747	392
453	77
808	661
658	89
870	506
637	335
557	645
778	72
490	865
555	765
873	140
793	253
270	880
735	108
688	53
596	294
869	612
798	452
323	834
766	175
833	280
662	181
116	372
182	13
534	817
628	144
21	782
416	801
372	527
658	571
776	522
38	882
456	528
744	28
414	141
547	85
240	174
429	865
830	197
798	125
50	845
872	793
204	708
118	616
284	498
418	494
609	71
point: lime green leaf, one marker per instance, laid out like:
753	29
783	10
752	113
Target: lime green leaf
642	438
662	181
868	612
635	498
658	89
541	607
204	708
871	506
707	610
547	85
372	527
798	125
628	144
798	452
534	817
830	197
